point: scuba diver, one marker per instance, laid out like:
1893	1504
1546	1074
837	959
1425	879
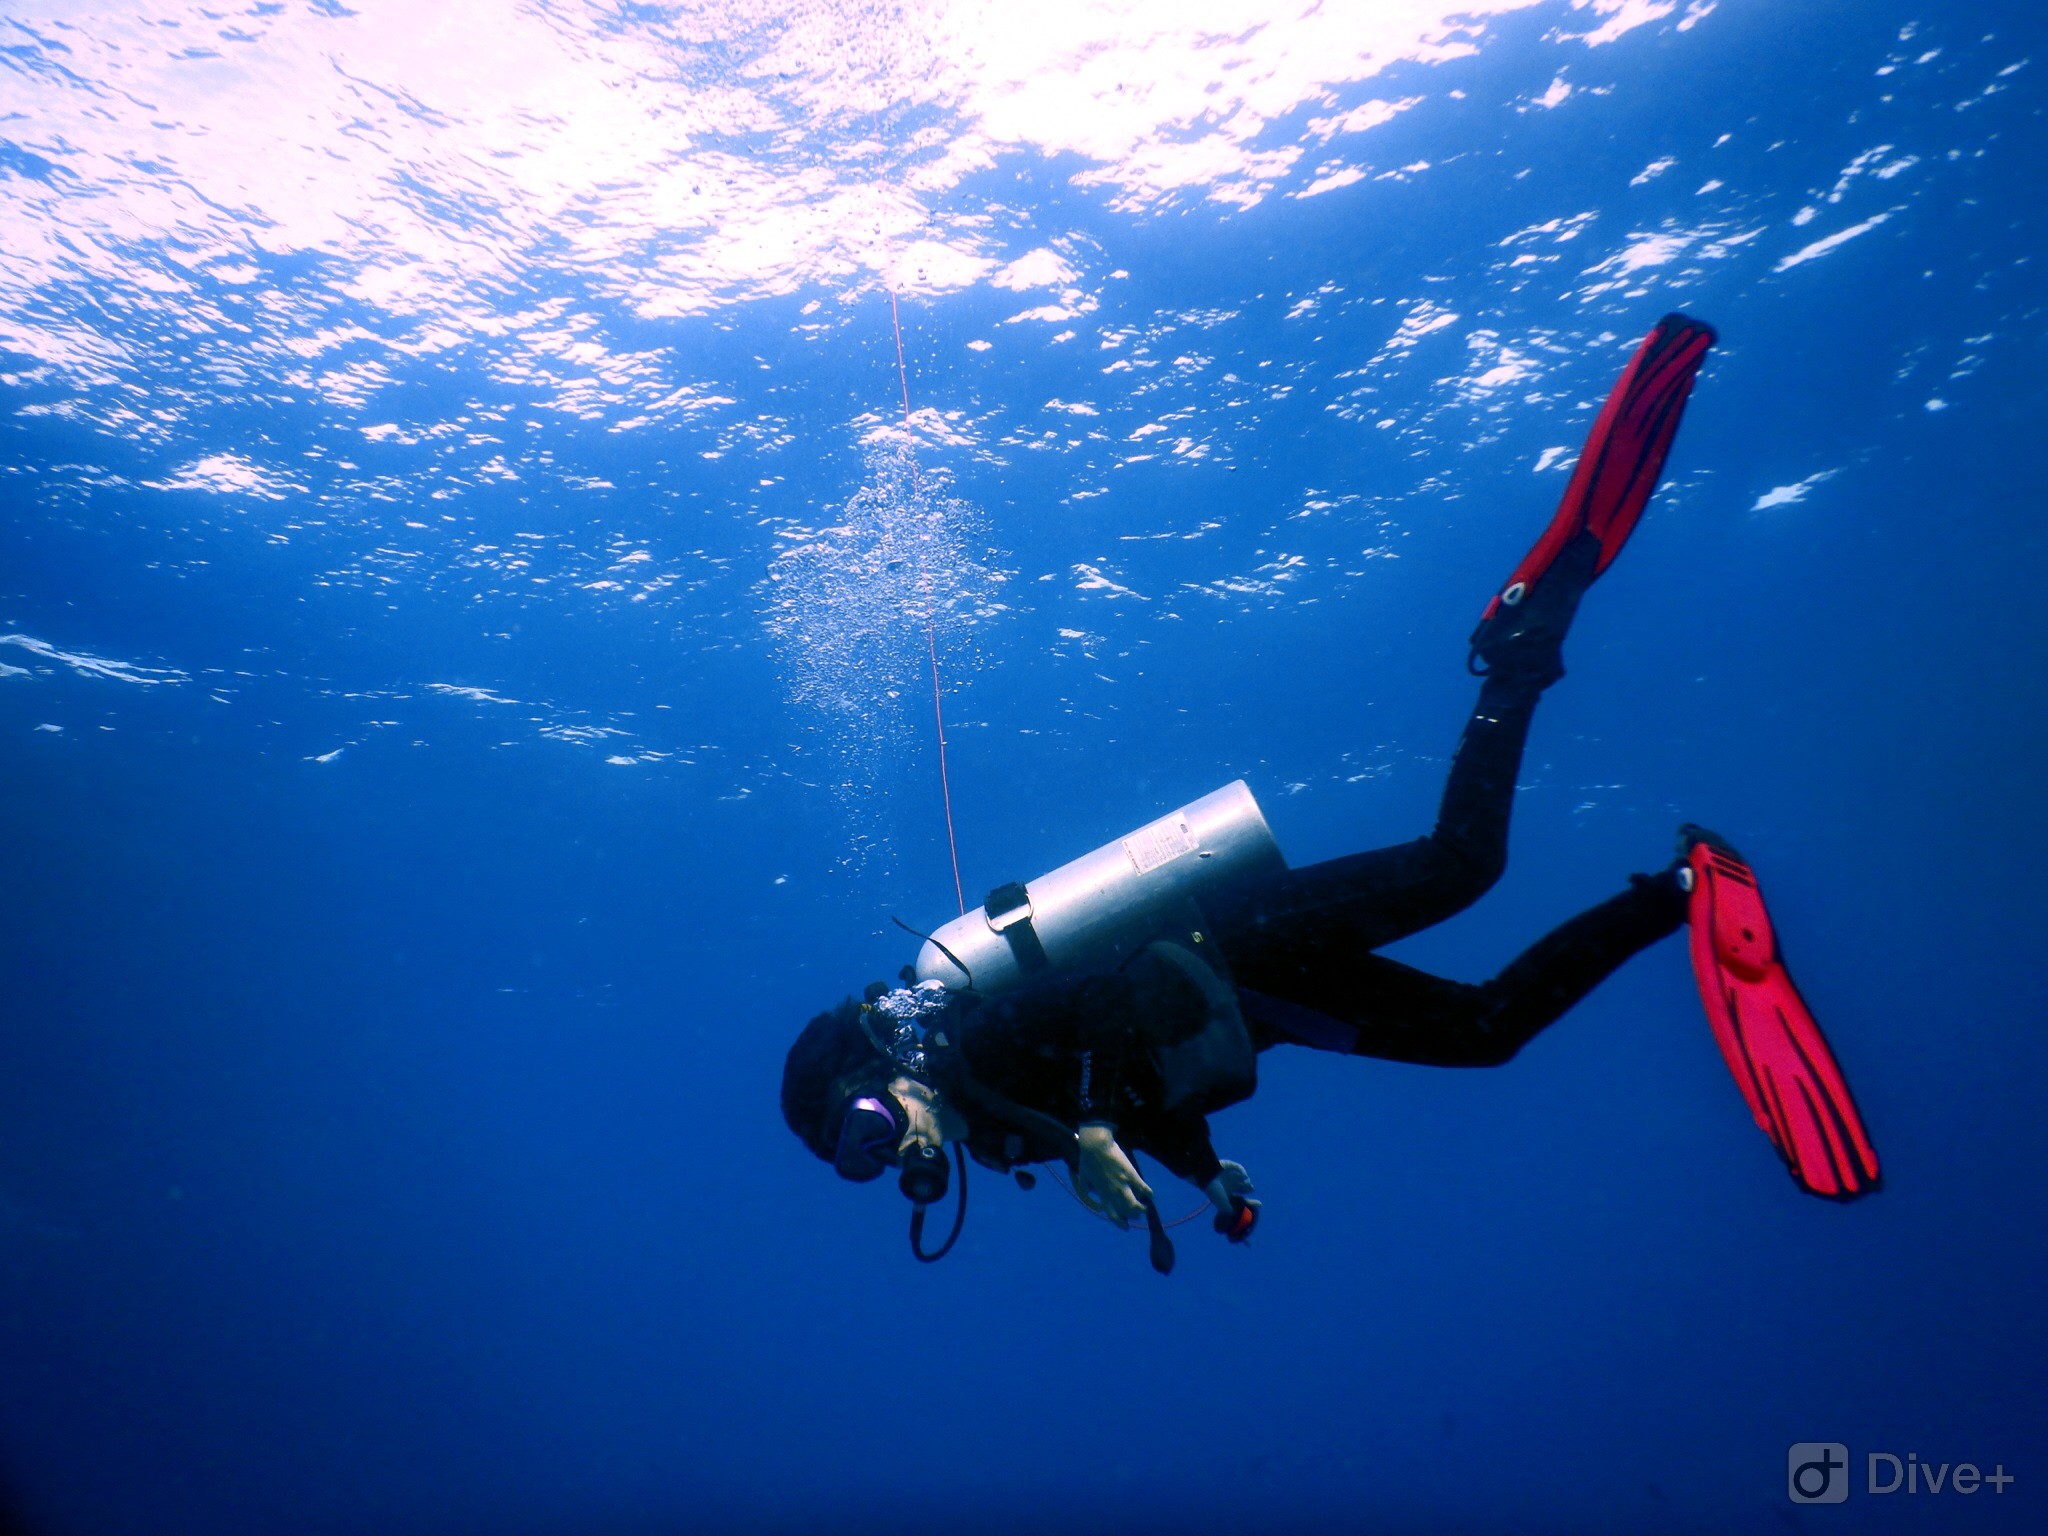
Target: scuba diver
1113	1005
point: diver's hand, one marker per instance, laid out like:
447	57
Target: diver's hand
1237	1213
1105	1178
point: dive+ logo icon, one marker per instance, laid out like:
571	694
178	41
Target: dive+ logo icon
1817	1472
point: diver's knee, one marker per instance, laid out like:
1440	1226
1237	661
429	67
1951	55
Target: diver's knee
1492	1038
1472	871
1491	1050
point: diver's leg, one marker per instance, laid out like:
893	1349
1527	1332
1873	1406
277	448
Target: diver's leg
1399	1013
1371	899
1302	920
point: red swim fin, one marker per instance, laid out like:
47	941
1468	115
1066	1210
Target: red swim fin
1776	1051
1617	470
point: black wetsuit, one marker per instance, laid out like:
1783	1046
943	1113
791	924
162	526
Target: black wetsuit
1298	950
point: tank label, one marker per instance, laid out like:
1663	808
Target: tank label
1161	843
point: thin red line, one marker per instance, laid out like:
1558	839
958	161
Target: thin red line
902	373
931	628
931	636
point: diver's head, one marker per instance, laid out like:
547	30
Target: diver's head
832	1065
855	1090
853	1087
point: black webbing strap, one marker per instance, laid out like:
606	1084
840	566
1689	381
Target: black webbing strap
1008	910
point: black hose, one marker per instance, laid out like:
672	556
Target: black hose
959	1217
915	934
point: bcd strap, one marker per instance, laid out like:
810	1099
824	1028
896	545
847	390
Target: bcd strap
1008	910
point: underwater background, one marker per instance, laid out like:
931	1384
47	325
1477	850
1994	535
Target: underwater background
467	559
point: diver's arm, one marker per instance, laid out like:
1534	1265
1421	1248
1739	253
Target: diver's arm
1104	1175
1182	1145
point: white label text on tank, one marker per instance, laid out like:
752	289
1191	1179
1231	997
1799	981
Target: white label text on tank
1161	843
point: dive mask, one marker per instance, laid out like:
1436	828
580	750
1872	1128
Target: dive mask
868	1137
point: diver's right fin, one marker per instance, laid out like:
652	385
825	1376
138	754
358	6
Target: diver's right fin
1772	1045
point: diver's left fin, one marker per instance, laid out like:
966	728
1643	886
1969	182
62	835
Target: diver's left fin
1777	1053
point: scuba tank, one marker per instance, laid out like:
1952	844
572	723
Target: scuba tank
1095	912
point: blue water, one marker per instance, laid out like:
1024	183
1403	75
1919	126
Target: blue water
449	750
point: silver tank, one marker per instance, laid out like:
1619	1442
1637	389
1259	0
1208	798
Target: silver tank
1096	910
